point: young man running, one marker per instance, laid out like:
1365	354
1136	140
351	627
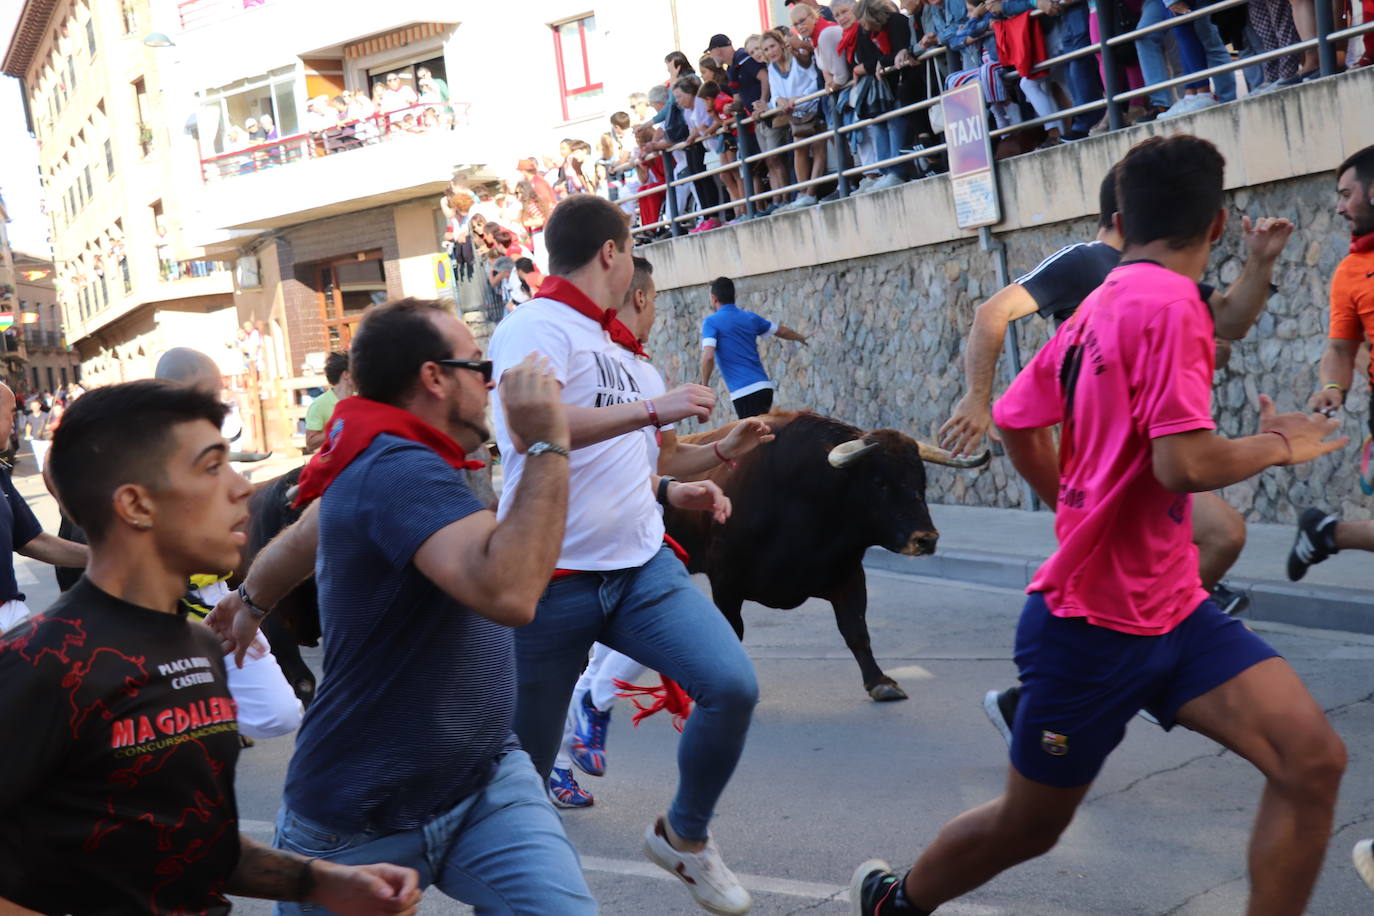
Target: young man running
730	336
117	790
1117	619
618	583
589	712
406	753
1321	534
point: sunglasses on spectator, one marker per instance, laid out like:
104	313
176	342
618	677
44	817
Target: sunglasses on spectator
476	365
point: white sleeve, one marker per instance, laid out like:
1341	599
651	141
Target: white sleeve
772	329
708	342
266	703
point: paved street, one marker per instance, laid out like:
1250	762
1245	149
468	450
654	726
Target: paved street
830	778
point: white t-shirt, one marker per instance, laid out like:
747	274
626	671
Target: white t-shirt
613	518
830	59
795	83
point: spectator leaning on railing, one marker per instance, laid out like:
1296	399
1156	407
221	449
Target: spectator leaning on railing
1199	47
1021	45
791	75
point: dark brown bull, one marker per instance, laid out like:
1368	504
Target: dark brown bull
805	508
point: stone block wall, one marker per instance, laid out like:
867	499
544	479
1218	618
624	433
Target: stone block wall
888	332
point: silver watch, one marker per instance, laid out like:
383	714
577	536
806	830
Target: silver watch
540	448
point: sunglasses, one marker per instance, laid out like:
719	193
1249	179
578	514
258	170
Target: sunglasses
476	365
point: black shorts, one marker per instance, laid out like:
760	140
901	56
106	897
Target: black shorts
754	403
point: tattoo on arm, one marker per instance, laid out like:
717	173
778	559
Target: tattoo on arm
270	874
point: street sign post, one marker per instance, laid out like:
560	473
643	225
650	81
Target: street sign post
971	173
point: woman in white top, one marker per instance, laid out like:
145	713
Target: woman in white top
789	78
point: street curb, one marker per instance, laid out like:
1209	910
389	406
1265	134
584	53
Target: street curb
1326	607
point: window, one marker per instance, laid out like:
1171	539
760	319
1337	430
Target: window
109	160
128	16
572	44
63	372
229	107
52	379
90	36
71	73
90	187
36	383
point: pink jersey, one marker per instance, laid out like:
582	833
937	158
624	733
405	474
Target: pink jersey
1141	349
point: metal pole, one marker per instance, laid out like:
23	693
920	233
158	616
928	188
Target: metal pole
1109	72
838	144
745	170
1326	51
1011	347
674	227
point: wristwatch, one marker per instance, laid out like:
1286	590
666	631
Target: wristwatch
257	612
540	448
663	488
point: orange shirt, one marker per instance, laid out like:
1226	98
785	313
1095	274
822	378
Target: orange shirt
1352	300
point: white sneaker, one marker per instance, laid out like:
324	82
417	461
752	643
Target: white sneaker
868	182
802	202
712	885
887	181
1363	855
1203	100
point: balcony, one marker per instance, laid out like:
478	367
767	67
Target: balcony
353	165
43	340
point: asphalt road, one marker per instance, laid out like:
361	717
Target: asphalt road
830	778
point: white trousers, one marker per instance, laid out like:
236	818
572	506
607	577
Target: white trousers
606	667
267	705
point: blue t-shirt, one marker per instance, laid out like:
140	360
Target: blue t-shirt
18	526
734	333
418	694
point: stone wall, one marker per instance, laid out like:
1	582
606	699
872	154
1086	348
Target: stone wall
888	330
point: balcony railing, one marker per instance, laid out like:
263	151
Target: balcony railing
343	137
172	271
42	338
196	13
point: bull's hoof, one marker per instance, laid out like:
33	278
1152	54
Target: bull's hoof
886	691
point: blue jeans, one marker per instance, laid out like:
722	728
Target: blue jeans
889	137
655	615
1069	32
1198	47
501	850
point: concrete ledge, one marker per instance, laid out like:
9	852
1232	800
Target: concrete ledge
1326	607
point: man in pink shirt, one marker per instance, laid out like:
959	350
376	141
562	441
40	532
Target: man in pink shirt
1117	620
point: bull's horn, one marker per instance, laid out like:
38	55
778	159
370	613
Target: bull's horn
940	456
846	453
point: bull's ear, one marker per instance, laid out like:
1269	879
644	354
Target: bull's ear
847	453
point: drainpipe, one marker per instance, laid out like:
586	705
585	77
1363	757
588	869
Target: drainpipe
1011	347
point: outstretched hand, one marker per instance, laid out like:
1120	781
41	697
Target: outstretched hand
1305	433
964	430
1265	238
747	435
701	496
236	627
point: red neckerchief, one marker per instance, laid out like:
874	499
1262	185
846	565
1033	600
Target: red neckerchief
849	42
355	423
821	25
561	290
882	40
1362	243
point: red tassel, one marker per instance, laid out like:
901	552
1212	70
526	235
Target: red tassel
667	695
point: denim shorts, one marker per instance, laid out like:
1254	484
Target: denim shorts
1082	683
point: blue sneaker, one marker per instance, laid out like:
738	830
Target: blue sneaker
564	791
588	749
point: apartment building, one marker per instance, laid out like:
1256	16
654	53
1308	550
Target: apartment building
49	364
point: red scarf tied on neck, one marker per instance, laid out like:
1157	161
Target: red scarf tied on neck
355	423
882	39
1362	243
821	25
849	43
561	290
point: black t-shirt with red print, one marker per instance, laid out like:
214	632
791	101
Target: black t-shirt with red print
117	778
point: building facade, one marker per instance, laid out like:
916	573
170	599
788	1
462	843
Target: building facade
49	364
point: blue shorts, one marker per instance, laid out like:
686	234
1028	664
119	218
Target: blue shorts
1082	683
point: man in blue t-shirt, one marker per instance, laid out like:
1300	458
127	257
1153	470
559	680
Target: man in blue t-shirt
408	753
730	336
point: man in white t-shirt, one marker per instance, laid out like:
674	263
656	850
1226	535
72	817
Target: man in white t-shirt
617	582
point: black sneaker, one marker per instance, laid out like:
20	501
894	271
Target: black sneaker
1315	542
1001	709
1230	602
872	888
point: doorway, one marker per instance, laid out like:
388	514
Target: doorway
346	288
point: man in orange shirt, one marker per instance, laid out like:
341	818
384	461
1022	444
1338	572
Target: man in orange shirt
1320	533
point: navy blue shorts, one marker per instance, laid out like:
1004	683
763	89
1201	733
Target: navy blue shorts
1081	683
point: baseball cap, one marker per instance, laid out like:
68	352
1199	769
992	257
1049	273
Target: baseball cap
718	41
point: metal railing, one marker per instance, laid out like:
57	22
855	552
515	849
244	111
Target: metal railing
340	137
1114	100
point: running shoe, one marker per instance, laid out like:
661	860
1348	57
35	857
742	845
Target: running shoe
1315	542
1363	855
588	749
1230	602
1001	709
564	791
872	888
712	885
889	180
1366	480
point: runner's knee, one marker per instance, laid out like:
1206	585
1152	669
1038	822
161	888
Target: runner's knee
731	689
1312	760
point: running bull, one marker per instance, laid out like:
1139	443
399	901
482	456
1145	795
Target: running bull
805	508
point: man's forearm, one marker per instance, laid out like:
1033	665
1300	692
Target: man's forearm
286	561
269	874
524	546
1338	367
980	355
708	363
57	551
1239	309
1035	458
590	425
687	461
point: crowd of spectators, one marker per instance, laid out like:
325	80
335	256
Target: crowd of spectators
873	57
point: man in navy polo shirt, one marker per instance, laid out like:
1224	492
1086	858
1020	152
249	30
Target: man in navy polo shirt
730	335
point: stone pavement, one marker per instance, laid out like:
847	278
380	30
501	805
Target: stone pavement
1004	547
